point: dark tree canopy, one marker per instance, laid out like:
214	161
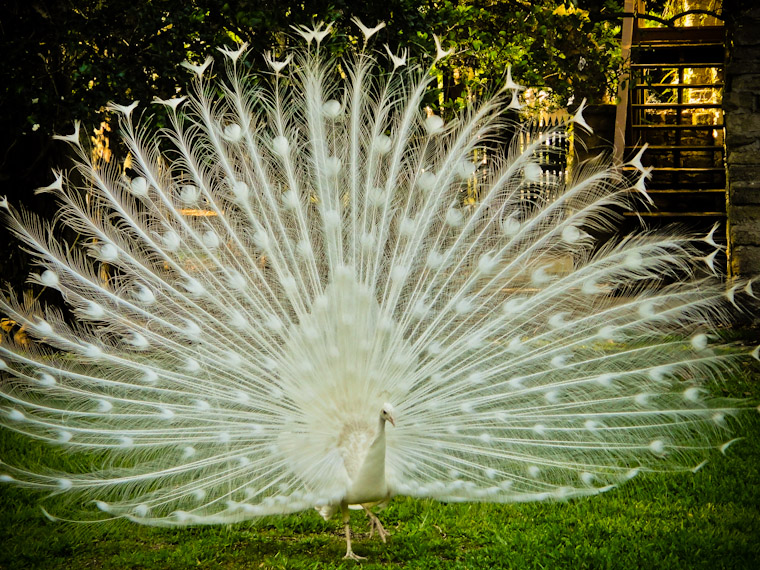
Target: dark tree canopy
66	59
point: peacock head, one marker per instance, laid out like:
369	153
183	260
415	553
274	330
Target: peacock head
386	414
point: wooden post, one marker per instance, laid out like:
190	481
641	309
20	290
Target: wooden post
622	107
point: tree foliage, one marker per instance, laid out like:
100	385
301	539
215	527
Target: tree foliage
66	59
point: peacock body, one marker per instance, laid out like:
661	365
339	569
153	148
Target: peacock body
294	265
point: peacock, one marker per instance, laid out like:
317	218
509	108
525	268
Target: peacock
311	291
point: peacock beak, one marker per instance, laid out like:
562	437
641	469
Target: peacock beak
393	422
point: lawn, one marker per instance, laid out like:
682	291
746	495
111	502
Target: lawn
710	519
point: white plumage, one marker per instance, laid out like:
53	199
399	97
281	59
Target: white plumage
308	255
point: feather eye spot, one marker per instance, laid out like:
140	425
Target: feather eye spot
64	436
15	415
139	186
136	340
406	227
513	306
511	226
143	294
192	329
108	252
233	132
464	306
487	263
399	273
149	376
47	380
382	144
647	310
281	146
240	190
633	260
515	383
333	166
592	426
210	239
427	181
141	510
692	394
42	327
476	378
642	399
561	360
49	278
657	447
699	341
465	169
166	414
557	320
591	287
607	333
659	373
181	517
532	172
332	220
290	200
236	280
571	234
434	125
420	309
377	196
454	217
189	194
541	276
238	321
332	109
434	259
90	350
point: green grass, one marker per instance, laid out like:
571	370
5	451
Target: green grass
710	519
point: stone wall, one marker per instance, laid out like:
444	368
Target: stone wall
741	104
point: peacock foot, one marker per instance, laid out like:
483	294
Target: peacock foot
351	555
381	532
376	525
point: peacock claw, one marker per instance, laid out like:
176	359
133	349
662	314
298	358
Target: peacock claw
351	555
375	524
381	532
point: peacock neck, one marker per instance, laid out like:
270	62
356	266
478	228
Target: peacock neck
380	431
376	453
369	485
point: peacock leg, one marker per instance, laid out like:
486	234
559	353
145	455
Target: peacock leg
346	525
374	524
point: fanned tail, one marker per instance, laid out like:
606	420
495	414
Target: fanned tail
302	248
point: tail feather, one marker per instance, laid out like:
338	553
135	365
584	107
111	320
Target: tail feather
299	248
